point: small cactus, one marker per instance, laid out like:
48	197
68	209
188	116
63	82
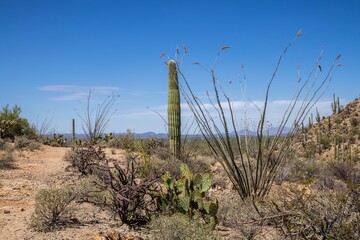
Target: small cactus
317	117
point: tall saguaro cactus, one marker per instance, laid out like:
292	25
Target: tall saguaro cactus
73	130
174	115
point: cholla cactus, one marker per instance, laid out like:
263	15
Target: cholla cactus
174	116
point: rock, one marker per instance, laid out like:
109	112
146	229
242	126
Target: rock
6	211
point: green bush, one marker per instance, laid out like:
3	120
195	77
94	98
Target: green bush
128	142
51	207
11	124
325	141
180	227
151	167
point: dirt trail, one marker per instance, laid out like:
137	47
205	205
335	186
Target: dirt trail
33	171
40	169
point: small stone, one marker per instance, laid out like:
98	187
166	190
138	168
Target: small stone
22	209
6	211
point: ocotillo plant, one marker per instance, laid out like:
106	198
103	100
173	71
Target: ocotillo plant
174	122
252	163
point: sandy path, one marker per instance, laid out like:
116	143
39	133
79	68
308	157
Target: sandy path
33	171
40	169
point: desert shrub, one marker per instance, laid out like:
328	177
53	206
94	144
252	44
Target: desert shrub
51	207
129	197
310	150
345	171
34	146
220	180
239	216
113	151
198	165
303	213
54	144
7	159
151	167
69	155
86	189
354	121
151	146
338	120
303	170
11	124
114	143
128	142
85	159
180	227
325	141
2	144
156	166
21	142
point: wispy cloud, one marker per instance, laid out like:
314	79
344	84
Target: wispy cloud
72	92
275	110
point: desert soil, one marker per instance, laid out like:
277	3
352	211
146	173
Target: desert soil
32	172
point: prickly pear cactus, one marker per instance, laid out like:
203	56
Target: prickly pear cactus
174	115
187	195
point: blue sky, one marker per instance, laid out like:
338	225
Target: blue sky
53	52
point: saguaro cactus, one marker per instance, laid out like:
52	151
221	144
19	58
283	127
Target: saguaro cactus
174	115
73	131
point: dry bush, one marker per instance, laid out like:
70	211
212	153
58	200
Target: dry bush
126	196
128	142
312	214
2	144
151	167
51	208
84	160
298	170
114	143
69	155
335	175
180	227
7	159
239	216
22	142
345	171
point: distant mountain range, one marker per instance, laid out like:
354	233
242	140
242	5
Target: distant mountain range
271	131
